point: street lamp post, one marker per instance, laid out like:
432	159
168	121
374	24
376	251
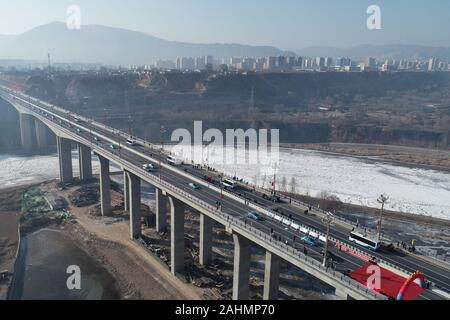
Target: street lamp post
383	199
161	132
328	220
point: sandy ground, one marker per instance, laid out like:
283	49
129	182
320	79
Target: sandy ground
140	276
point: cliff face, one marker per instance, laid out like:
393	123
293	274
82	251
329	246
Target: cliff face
399	108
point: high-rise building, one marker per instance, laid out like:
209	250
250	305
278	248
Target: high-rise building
200	63
270	63
432	64
320	62
187	63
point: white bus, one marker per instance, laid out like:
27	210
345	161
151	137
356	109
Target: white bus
174	161
229	183
364	241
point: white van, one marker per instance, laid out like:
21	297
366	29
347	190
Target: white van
229	183
131	142
174	161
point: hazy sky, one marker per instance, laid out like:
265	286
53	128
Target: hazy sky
287	24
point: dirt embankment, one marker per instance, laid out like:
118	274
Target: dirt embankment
10	210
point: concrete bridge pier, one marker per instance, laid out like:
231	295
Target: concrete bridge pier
85	162
126	193
41	135
176	235
65	159
241	268
105	186
342	294
206	230
271	276
26	134
134	192
161	211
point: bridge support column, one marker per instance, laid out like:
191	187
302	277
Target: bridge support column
134	191
126	192
241	268
176	235
85	162
26	134
65	159
105	186
206	229
161	211
271	276
342	294
41	135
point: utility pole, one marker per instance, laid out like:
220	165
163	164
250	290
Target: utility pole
130	118
383	199
328	221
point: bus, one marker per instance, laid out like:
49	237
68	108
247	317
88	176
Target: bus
229	183
364	241
174	161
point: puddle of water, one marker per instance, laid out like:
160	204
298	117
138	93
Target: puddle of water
40	272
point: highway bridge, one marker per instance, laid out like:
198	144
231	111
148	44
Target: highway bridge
279	233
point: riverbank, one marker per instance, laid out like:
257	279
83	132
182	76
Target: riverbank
137	276
433	159
10	212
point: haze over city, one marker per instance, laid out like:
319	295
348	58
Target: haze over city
286	24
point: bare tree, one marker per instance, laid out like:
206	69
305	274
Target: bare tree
283	186
293	185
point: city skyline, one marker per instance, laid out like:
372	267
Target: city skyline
288	25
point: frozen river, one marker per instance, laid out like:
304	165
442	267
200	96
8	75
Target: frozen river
352	180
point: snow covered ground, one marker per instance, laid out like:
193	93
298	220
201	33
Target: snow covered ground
15	170
353	180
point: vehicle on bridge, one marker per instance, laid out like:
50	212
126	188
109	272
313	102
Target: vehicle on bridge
308	240
131	142
364	241
272	198
194	186
174	161
149	167
229	184
255	216
114	147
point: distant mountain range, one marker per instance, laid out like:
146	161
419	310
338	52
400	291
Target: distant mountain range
391	52
100	44
94	43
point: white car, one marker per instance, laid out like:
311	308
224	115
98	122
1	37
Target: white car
194	186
